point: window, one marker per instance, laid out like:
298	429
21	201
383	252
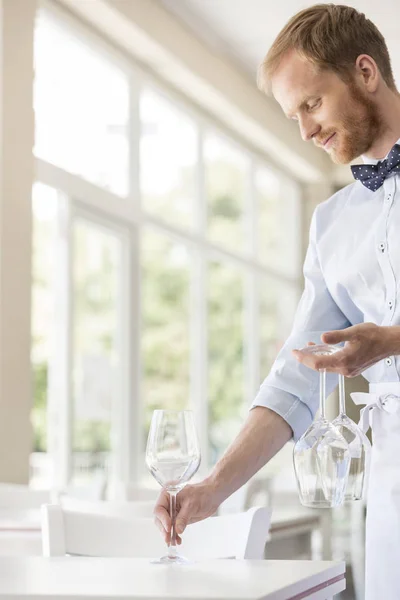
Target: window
81	103
165	339
173	291
227	176
96	368
168	159
226	359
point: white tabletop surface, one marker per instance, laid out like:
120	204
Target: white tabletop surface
79	578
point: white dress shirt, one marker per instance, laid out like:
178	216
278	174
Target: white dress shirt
352	275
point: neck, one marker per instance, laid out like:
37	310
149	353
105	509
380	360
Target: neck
390	130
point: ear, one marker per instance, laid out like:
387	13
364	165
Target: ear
367	72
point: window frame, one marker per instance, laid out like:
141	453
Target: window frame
128	213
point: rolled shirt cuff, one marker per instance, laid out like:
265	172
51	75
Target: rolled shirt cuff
289	407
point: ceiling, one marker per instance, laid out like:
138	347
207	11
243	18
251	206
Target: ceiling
243	30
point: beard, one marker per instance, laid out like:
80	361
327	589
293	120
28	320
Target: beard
359	124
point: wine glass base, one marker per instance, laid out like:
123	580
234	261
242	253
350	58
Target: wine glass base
172	560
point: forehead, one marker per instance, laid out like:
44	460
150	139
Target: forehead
296	79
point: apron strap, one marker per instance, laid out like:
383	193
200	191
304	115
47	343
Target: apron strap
387	402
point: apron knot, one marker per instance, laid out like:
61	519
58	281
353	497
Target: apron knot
387	402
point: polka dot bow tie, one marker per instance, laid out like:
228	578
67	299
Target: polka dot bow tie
373	176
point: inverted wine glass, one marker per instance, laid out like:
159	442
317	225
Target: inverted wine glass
321	457
173	457
359	446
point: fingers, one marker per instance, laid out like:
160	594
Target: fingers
183	518
334	337
161	513
166	534
330	363
162	518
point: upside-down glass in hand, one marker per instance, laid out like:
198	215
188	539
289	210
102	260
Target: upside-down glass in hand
321	456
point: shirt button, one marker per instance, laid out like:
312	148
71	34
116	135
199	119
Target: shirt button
388	361
382	247
390	303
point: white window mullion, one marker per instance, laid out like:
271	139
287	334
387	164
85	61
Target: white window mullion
134	402
199	349
60	365
252	320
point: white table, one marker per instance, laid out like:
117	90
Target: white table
80	578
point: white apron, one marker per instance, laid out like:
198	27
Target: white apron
382	411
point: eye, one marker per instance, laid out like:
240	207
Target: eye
316	104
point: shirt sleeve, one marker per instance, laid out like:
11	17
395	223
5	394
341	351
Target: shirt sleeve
291	389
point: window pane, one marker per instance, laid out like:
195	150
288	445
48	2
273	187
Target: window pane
279	222
225	356
226	172
168	157
81	103
97	359
44	213
165	325
278	302
269	227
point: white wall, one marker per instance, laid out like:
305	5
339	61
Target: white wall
16	175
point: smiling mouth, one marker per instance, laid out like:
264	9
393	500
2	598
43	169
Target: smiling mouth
328	140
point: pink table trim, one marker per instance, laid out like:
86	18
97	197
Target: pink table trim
317	588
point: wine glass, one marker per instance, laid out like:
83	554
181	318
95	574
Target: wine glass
359	446
321	457
173	457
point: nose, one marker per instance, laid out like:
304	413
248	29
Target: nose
308	128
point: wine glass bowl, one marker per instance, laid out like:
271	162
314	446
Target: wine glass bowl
321	461
359	447
172	457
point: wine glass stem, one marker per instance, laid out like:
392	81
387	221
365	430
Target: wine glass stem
172	545
322	392
342	396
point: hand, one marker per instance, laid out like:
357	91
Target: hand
365	345
194	503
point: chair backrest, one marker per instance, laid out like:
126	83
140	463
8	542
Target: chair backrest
22	497
242	535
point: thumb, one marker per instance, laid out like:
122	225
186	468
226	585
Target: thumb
334	337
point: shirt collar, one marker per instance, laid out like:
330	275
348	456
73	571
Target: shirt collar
373	161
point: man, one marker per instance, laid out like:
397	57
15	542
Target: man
330	71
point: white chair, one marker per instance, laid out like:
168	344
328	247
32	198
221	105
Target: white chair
21	497
243	535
